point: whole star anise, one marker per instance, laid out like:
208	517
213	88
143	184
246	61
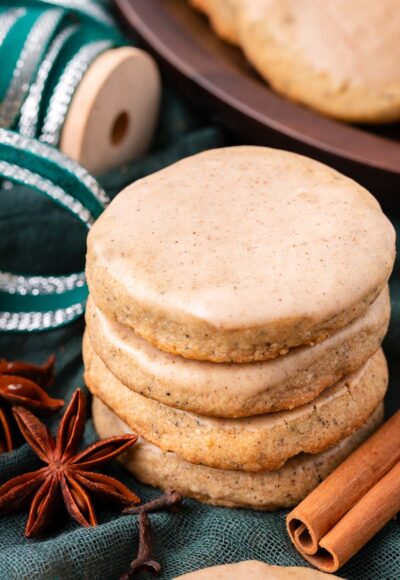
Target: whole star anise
67	475
22	384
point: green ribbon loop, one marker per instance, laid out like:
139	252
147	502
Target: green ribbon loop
42	302
46	46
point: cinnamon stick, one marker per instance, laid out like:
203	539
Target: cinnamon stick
318	514
378	506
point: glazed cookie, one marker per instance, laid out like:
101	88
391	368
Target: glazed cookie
327	55
234	390
265	490
222	15
239	254
249	444
255	570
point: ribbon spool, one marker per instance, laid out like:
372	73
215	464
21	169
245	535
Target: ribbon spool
68	81
112	115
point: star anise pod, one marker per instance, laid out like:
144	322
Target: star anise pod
22	384
43	375
67	475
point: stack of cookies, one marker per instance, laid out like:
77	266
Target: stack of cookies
238	301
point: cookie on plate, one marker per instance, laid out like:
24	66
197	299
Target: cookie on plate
222	15
239	254
328	55
249	444
265	490
236	390
256	571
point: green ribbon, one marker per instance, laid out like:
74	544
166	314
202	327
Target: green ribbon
90	10
24	46
40	303
45	48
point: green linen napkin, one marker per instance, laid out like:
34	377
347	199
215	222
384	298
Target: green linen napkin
39	238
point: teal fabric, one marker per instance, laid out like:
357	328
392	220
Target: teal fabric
40	238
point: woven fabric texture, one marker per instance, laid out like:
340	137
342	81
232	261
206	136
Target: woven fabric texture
39	238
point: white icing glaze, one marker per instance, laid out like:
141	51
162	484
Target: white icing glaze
245	237
207	377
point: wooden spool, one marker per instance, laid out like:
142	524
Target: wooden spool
114	110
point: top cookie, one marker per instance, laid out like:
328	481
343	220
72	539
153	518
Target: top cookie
341	58
239	254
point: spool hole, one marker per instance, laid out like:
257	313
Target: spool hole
120	128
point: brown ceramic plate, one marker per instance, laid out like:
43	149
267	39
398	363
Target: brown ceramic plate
217	78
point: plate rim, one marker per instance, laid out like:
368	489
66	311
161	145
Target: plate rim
305	128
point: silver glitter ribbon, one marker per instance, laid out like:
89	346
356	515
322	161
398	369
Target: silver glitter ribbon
39	285
33	321
8	19
24	144
55	192
63	93
27	64
28	122
88	7
42	285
